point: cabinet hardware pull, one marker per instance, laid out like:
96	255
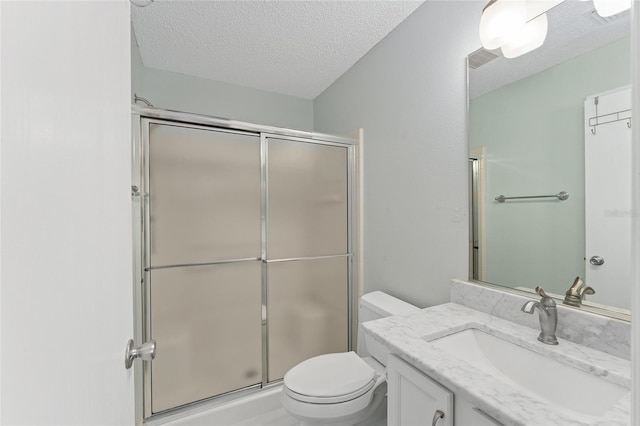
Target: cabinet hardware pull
439	414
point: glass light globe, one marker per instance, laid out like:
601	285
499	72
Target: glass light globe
611	7
530	37
500	20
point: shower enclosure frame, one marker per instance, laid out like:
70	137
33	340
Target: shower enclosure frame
142	117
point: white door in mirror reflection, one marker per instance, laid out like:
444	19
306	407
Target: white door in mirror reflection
608	196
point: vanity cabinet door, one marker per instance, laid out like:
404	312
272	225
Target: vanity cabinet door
414	399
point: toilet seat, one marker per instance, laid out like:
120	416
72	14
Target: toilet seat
330	379
337	389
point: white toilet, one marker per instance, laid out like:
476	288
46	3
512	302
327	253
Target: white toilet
344	388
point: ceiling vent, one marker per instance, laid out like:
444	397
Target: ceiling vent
481	57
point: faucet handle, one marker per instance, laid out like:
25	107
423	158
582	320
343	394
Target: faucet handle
541	292
577	292
577	283
546	300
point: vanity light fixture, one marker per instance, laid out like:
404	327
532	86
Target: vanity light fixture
504	25
530	37
500	20
611	7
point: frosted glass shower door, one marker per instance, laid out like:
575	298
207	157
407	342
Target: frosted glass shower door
204	191
204	269
307	200
206	321
308	259
307	311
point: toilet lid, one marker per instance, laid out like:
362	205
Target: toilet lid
329	376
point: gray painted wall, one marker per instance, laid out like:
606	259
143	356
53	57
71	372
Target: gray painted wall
409	95
180	92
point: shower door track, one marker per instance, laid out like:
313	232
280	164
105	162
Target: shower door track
142	117
223	123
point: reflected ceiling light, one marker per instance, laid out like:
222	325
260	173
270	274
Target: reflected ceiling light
530	37
611	7
504	25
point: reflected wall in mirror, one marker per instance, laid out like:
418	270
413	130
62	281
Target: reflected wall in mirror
530	119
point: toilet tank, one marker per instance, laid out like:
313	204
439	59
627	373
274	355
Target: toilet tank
376	305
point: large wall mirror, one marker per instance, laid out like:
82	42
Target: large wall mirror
550	131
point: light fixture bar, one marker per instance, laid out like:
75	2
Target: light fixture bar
538	7
611	7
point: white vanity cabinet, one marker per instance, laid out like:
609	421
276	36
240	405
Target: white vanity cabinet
414	399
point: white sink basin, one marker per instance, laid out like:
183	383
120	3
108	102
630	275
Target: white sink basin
560	384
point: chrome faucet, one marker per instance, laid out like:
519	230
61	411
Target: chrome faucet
577	292
548	316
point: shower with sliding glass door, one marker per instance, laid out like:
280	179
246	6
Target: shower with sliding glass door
244	253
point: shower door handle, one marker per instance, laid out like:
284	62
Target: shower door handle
146	352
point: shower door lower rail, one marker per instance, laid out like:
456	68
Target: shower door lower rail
209	403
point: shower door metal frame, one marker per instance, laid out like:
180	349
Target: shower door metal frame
142	118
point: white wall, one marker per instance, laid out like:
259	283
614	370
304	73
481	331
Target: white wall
180	92
409	95
66	219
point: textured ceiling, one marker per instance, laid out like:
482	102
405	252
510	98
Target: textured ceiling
574	29
295	48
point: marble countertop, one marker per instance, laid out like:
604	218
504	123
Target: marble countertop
409	336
